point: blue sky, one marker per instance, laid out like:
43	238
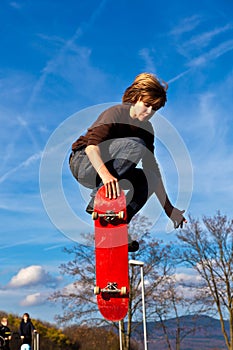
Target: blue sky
63	62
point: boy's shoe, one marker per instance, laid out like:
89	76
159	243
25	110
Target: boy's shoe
133	246
90	207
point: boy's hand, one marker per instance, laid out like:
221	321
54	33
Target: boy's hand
177	218
112	188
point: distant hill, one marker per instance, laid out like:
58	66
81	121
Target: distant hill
198	332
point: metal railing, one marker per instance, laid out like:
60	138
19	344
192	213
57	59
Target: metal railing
16	342
36	341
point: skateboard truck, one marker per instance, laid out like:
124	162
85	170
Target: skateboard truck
110	288
109	215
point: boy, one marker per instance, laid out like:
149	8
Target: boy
117	141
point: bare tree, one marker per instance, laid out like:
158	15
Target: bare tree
169	305
208	248
77	298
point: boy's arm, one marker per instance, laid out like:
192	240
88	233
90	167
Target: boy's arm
110	182
176	215
172	212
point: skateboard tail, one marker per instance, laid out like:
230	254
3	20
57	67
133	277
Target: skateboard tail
113	282
114	312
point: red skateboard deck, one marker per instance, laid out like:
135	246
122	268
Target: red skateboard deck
111	249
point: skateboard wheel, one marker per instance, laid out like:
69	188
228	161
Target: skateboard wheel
97	290
123	290
94	215
121	214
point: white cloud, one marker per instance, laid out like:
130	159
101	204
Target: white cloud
203	39
193	46
71	288
27	162
187	278
178	76
213	54
147	56
32	275
69	57
186	25
34	299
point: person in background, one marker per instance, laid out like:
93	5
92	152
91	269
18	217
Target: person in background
5	333
26	329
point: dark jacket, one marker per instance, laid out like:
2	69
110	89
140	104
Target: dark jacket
5	333
26	329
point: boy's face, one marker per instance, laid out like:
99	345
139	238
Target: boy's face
142	111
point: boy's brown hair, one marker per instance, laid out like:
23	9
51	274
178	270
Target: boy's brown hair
147	88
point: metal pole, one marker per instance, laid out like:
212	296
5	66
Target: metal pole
143	309
120	335
37	341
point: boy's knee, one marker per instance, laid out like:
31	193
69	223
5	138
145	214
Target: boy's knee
127	147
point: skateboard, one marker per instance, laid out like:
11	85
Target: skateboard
111	252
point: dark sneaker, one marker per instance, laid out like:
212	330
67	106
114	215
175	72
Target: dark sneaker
133	246
90	207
